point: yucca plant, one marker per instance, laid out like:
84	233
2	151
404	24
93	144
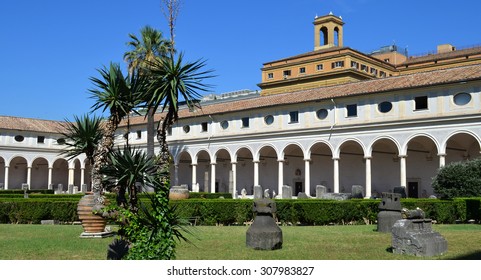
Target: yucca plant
81	136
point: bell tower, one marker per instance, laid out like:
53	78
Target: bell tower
327	31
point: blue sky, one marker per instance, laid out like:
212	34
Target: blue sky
50	48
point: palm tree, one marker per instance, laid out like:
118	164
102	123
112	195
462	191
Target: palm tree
82	136
170	82
119	96
128	170
147	49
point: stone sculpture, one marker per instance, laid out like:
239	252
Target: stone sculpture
413	235
264	233
389	211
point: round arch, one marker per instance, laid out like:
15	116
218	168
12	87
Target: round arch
385	165
39	173
461	145
244	156
17	173
352	168
422	163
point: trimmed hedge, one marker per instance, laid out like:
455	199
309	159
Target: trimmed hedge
17	191
239	211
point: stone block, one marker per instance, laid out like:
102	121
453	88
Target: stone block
264	233
83	188
286	192
302	195
400	190
357	191
258	194
390	201
320	191
416	237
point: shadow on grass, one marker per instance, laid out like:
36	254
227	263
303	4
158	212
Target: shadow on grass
473	256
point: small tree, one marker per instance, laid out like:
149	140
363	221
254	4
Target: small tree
459	179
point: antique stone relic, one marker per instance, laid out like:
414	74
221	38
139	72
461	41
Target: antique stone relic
264	233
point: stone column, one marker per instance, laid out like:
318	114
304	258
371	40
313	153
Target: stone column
307	171
280	182
402	163
71	176
82	176
368	177
256	172
336	175
6	177
442	160
212	177
234	177
50	170
29	176
194	177
176	175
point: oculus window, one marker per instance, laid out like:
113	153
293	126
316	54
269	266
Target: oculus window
186	128
224	124
269	119
384	107
462	98
321	114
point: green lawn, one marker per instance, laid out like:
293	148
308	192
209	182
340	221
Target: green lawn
62	242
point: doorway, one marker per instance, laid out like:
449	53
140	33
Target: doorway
413	189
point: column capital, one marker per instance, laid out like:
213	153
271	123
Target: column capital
233	162
368	157
307	159
441	154
193	164
336	158
402	156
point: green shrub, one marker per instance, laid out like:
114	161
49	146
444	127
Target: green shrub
239	211
206	195
459	179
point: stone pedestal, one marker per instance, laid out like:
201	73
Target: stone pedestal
179	192
264	233
258	192
389	211
320	191
416	237
286	192
357	191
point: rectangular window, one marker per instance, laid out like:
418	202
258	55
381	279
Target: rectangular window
364	68
245	122
302	70
319	67
374	71
286	73
337	64
41	139
354	65
382	74
351	110
421	103
139	134
294	117
169	131
270	76
204	127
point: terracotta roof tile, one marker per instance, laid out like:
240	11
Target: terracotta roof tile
27	124
351	89
438	56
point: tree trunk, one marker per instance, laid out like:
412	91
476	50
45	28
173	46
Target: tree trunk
101	156
164	155
150	132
